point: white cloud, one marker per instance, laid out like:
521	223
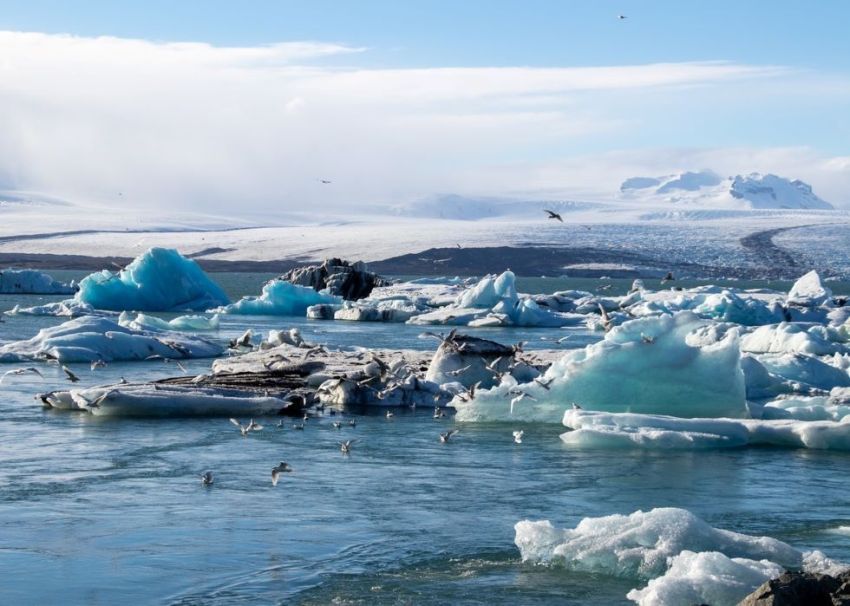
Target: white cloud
201	127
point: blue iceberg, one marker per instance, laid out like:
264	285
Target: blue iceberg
161	279
280	298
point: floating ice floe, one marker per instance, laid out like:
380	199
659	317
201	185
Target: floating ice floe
147	322
494	301
280	298
809	292
93	338
160	279
69	308
678	364
628	430
684	559
32	282
164	400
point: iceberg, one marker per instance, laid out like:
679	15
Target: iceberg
93	338
160	279
626	430
146	321
681	365
708	577
31	282
280	298
788	337
809	292
164	400
639	545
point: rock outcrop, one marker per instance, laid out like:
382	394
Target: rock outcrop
802	588
351	281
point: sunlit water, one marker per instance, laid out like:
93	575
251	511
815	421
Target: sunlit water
106	511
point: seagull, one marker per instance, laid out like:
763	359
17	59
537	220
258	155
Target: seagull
562	339
21	371
621	17
390	414
345	447
576	406
246	429
446	435
207	478
518	436
519	398
337	424
438	413
325	181
283	467
71	376
553	215
459	371
97	364
606	321
543	383
668	278
352	423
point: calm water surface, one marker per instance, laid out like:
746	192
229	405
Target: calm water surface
106	511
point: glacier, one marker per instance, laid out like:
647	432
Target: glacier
159	279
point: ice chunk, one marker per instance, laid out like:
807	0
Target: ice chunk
161	279
628	430
806	370
707	577
730	307
93	338
808	291
164	400
280	298
639	545
147	321
679	365
791	337
69	308
31	282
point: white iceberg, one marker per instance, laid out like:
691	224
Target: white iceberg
809	292
627	430
639	545
93	338
791	337
679	365
160	279
32	282
708	577
280	298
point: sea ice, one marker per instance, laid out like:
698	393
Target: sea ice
808	291
161	279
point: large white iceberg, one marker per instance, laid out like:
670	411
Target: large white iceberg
93	338
808	291
161	279
281	298
792	337
32	282
639	545
678	364
628	430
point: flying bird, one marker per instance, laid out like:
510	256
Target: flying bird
446	435
345	447
207	478
518	436
282	467
246	429
21	371
97	364
621	17
553	215
519	397
243	341
71	376
325	181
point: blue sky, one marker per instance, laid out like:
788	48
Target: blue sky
774	95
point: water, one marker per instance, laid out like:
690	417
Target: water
105	511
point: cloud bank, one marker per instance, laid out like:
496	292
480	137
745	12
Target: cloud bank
198	127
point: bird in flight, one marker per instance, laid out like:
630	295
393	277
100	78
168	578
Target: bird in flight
553	215
21	371
207	478
283	467
325	181
621	17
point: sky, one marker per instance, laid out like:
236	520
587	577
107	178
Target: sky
221	105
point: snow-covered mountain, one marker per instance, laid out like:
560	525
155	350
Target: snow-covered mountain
707	188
